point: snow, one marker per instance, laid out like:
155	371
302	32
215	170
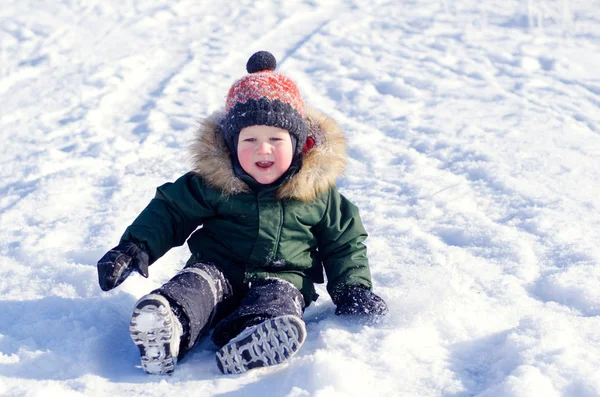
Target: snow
475	148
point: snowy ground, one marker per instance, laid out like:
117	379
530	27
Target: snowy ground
474	131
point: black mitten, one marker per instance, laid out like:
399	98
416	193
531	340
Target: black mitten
358	300
118	263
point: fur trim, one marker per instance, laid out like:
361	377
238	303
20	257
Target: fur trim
320	166
210	158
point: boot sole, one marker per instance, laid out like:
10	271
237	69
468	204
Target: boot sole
151	329
272	342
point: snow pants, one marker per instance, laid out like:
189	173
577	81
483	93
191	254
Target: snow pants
202	297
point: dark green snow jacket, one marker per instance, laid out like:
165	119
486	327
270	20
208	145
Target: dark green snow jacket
292	232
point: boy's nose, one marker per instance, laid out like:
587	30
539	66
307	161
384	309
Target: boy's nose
264	147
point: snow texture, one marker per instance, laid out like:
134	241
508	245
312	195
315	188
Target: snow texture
474	135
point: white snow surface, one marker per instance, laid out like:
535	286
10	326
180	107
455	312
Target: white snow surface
474	142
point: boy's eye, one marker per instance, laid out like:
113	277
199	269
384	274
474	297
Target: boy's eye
249	139
275	139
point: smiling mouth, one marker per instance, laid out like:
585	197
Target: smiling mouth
264	164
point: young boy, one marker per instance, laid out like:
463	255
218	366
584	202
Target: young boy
265	219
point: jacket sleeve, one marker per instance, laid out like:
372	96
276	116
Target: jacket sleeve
340	235
172	215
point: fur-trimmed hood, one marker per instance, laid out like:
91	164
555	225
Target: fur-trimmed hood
321	165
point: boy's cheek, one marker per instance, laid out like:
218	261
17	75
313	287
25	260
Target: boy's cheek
245	157
243	152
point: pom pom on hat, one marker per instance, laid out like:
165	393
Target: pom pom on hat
264	97
261	61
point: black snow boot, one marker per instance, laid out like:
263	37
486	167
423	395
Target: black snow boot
269	343
266	329
157	332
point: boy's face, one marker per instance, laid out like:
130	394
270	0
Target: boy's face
264	152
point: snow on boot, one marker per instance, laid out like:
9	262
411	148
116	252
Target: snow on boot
156	331
269	343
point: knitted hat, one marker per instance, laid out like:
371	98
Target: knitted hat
264	97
